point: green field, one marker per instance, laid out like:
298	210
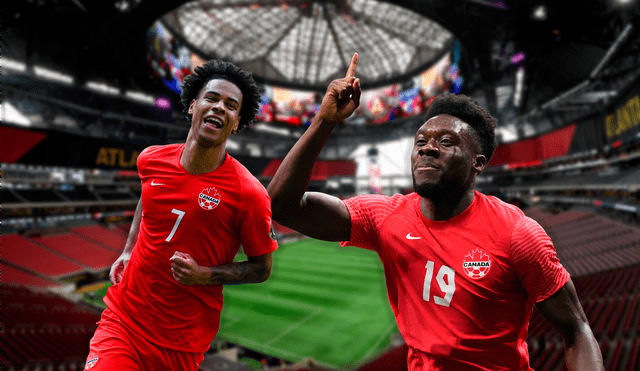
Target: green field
322	301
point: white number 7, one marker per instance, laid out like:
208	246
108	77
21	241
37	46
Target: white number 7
448	288
175	226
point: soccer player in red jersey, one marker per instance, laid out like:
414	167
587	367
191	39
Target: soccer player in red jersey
463	270
198	206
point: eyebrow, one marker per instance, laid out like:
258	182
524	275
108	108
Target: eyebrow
438	132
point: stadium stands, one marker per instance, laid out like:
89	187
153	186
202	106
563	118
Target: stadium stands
79	249
41	330
610	301
28	254
110	238
14	276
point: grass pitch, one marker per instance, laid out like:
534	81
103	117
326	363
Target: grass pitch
322	301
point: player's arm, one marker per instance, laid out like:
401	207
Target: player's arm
255	269
564	312
117	268
315	214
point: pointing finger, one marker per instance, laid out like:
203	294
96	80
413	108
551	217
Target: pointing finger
351	72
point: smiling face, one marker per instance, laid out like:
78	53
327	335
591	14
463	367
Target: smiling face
215	112
446	157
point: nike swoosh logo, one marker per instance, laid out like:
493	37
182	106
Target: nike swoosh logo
410	237
153	183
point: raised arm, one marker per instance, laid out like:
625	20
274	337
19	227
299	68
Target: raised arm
117	268
564	312
315	214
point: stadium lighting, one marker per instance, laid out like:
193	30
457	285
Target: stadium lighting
163	103
518	57
13	65
517	96
540	13
231	144
269	129
102	88
140	97
52	75
9	113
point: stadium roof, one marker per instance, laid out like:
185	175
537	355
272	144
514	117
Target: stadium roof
310	43
574	53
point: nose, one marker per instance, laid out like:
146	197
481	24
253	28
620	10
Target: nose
429	148
218	106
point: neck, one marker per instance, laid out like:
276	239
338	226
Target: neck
197	159
445	207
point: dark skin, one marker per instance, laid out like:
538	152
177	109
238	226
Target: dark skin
215	115
445	162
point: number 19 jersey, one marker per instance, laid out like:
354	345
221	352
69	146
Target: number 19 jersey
462	290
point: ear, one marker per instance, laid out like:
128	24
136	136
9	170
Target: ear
479	163
193	103
235	127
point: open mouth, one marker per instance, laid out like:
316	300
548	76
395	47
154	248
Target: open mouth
212	121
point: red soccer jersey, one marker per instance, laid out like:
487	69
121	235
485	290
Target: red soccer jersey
207	216
462	290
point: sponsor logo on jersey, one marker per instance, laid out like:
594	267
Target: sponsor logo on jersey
476	264
92	359
209	198
410	237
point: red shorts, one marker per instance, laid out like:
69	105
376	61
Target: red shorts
115	347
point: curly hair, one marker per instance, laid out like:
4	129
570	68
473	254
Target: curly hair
468	110
218	69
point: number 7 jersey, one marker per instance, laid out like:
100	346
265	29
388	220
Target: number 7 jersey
208	216
462	290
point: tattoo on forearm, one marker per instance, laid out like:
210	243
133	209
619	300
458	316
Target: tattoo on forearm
239	273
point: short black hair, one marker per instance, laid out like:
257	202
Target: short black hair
469	111
218	69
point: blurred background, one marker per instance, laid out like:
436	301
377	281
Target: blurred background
87	85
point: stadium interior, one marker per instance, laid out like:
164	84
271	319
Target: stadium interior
87	85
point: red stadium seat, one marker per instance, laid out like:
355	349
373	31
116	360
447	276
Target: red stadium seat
633	361
615	356
24	253
102	236
80	249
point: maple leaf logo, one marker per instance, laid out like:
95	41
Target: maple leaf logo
476	264
209	198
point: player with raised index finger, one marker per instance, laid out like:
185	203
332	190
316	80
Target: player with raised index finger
463	270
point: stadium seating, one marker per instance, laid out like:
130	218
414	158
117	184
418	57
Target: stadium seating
43	330
586	243
27	254
82	250
15	276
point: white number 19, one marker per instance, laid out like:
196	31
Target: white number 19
175	226
448	287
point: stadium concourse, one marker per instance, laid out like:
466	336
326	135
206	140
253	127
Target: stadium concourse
88	85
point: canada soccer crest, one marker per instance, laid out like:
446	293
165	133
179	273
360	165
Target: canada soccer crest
209	198
92	359
476	264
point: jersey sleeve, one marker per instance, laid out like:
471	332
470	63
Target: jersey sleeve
142	160
535	260
367	212
256	232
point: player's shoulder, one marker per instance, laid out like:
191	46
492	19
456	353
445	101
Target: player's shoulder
500	209
376	202
247	182
159	150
